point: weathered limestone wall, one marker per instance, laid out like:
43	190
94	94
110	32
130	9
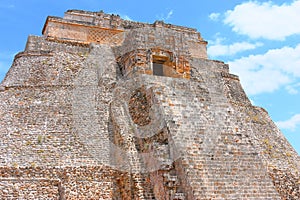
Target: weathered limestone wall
75	125
44	99
40	43
38	68
214	160
86	27
254	123
74	32
36	110
56	182
178	42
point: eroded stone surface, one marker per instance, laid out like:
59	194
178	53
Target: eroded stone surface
83	115
139	107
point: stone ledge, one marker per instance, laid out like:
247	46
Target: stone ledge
34	53
231	76
2	88
68	41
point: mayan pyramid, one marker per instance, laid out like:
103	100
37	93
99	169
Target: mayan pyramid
104	108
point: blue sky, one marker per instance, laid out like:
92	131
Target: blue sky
259	39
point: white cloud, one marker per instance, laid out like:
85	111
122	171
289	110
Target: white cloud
293	89
214	16
169	15
126	17
268	72
265	20
252	101
165	17
290	124
225	50
218	39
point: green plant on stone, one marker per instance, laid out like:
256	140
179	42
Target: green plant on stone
14	164
45	62
40	139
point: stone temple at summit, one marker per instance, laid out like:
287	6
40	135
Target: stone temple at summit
99	107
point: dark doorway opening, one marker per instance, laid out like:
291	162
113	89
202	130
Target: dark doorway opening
158	69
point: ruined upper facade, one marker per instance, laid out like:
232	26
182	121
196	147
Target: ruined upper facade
103	108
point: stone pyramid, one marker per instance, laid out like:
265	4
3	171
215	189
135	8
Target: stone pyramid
103	108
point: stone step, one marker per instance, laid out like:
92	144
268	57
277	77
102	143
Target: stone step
178	196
